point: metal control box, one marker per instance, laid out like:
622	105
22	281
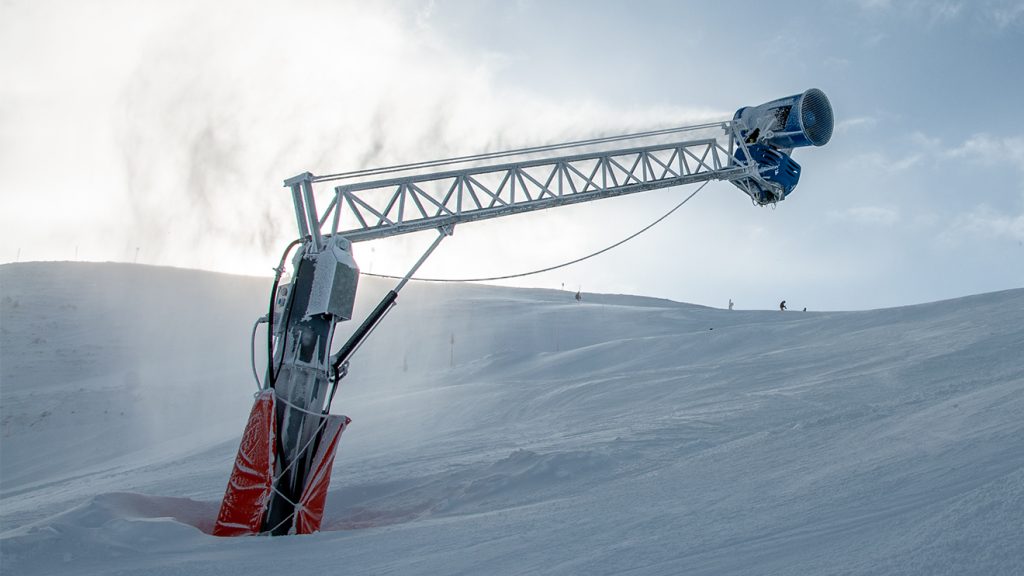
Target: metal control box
334	281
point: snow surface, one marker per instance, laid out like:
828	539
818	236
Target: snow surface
619	435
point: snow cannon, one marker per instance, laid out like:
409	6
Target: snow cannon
283	468
768	134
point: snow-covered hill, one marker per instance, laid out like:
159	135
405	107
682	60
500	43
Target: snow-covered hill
619	435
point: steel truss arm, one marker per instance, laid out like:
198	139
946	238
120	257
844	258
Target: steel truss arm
382	208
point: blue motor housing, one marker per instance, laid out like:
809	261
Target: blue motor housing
790	122
775	166
770	132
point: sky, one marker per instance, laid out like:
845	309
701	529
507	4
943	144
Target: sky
161	132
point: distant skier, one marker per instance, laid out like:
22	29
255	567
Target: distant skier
730	303
782	305
579	297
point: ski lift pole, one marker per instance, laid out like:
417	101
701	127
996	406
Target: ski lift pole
339	361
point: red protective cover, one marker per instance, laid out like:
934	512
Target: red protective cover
310	511
241	511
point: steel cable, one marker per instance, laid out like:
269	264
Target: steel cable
564	264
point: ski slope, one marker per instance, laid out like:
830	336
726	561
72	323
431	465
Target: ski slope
619	435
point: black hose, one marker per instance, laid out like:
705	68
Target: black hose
271	375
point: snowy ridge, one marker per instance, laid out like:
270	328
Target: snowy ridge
623	434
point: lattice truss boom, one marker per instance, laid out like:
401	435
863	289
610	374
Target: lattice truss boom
370	210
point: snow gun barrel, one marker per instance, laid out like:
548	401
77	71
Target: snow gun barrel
791	122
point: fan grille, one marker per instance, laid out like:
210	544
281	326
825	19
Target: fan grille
816	116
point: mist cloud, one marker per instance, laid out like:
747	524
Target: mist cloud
223	106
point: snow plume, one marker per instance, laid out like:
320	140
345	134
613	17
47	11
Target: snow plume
142	382
225	104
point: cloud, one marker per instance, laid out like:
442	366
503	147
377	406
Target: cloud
875	4
868	216
1003	13
848	124
877	162
1008	15
990	150
921	149
925	142
944	11
935	10
985	222
874	39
